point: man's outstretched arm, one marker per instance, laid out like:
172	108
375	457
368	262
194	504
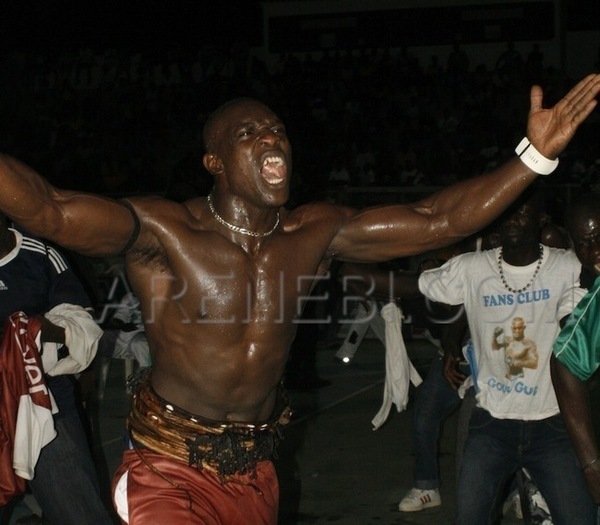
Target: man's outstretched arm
388	232
90	224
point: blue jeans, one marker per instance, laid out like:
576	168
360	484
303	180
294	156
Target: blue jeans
65	483
497	448
435	400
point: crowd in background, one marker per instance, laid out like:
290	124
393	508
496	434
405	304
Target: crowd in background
120	121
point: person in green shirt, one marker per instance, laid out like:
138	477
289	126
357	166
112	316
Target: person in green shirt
576	351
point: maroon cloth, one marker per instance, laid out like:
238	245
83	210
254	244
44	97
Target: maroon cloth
161	490
21	373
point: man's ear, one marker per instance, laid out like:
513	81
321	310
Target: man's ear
212	163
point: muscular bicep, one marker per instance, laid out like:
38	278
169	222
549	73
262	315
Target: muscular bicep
89	224
388	232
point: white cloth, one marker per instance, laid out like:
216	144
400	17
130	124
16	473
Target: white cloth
82	334
24	390
34	430
399	371
131	343
473	279
365	315
120	498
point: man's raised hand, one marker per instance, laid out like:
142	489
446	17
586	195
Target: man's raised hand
550	130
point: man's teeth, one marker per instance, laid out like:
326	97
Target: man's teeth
278	161
272	168
274	180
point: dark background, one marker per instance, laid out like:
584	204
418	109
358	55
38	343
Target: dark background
129	23
133	135
147	23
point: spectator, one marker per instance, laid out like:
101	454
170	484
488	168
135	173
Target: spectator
509	66
577	349
521	279
37	280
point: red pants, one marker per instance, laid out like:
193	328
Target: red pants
171	492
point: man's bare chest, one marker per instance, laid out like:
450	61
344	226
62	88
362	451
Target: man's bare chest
235	288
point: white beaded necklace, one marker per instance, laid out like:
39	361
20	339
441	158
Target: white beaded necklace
537	269
239	229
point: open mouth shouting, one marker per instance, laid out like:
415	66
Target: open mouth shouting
274	169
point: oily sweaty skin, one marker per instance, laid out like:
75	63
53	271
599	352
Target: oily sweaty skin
220	314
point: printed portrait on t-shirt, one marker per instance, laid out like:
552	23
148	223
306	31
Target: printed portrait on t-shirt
519	351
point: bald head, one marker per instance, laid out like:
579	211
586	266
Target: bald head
581	209
583	225
211	126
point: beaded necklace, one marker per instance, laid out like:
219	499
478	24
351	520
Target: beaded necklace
537	269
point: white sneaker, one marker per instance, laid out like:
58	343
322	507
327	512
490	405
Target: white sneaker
418	499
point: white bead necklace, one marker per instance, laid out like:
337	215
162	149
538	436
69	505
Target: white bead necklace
537	269
239	229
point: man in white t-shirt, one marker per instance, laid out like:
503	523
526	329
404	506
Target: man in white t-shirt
516	422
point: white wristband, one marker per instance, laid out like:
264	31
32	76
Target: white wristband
533	159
